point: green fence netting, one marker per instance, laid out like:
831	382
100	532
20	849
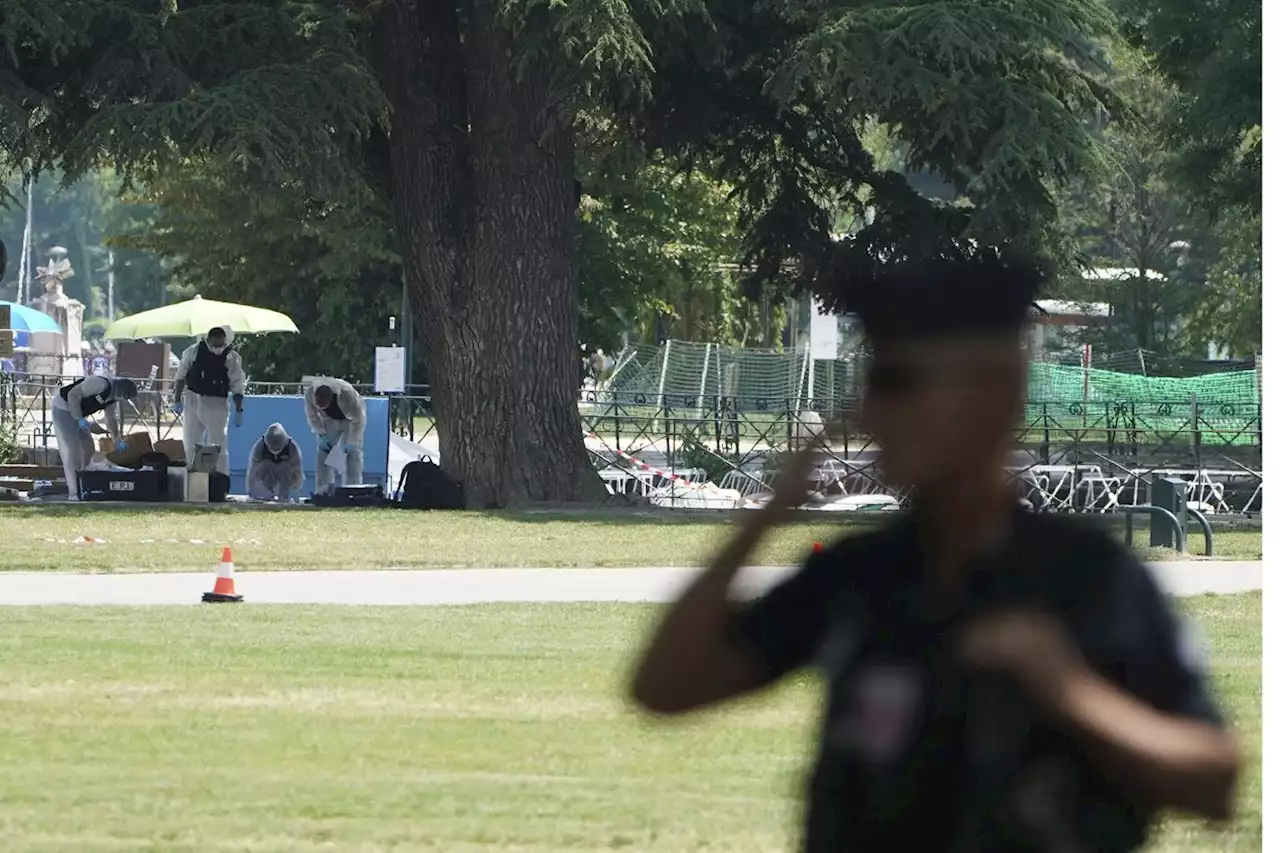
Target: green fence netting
1222	407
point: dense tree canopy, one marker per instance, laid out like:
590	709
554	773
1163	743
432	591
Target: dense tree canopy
332	267
1212	52
1213	55
985	98
1180	225
657	252
1131	216
81	218
469	124
658	255
1227	310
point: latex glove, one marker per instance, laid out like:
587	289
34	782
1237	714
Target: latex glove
84	423
326	445
122	445
346	447
177	408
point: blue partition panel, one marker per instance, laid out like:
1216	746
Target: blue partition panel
262	412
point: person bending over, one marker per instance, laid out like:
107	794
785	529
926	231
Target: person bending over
73	407
336	413
275	466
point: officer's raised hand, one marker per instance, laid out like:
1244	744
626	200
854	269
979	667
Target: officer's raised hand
792	485
1176	753
1031	647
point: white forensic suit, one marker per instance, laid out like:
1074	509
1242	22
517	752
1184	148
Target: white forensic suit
275	466
341	424
211	379
72	407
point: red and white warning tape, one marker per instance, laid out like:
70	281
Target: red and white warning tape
645	466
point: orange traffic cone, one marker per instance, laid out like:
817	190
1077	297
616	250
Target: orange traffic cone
224	588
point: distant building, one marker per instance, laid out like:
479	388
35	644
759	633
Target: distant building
1056	323
1119	274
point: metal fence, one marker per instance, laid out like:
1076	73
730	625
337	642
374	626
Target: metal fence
1083	457
681	451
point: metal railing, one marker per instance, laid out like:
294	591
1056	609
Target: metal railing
25	402
1179	535
1074	457
1179	532
1099	457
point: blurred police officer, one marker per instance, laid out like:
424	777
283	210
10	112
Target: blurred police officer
997	680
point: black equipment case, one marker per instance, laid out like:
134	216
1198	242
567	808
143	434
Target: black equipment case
145	486
365	495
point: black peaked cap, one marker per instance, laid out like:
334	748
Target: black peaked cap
979	291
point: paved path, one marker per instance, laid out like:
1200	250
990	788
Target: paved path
475	586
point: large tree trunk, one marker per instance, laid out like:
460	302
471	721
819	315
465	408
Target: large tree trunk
481	168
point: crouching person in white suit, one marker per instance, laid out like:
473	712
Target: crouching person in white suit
72	408
275	466
336	413
209	374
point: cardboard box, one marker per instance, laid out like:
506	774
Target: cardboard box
172	448
139	445
146	362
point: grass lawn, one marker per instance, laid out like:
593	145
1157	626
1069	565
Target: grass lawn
175	539
451	729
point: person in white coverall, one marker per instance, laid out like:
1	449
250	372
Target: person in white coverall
210	372
335	411
72	407
275	466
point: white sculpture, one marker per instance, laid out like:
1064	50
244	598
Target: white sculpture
57	355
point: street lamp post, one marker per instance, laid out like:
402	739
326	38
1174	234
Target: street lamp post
406	330
111	278
111	286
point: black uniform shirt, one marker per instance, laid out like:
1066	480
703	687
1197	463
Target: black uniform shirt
917	753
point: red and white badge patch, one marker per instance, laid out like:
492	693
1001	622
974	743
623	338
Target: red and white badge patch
881	713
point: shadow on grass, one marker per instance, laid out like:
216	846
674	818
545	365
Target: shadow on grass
612	515
96	508
621	515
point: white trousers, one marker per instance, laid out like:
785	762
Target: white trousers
336	432
75	447
204	422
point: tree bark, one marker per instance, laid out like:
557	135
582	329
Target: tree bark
481	179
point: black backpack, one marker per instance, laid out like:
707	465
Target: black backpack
424	485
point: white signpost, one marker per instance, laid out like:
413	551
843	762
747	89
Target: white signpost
824	339
824	333
388	370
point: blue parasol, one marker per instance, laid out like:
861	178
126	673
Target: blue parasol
24	320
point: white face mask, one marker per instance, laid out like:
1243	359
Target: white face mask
216	350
